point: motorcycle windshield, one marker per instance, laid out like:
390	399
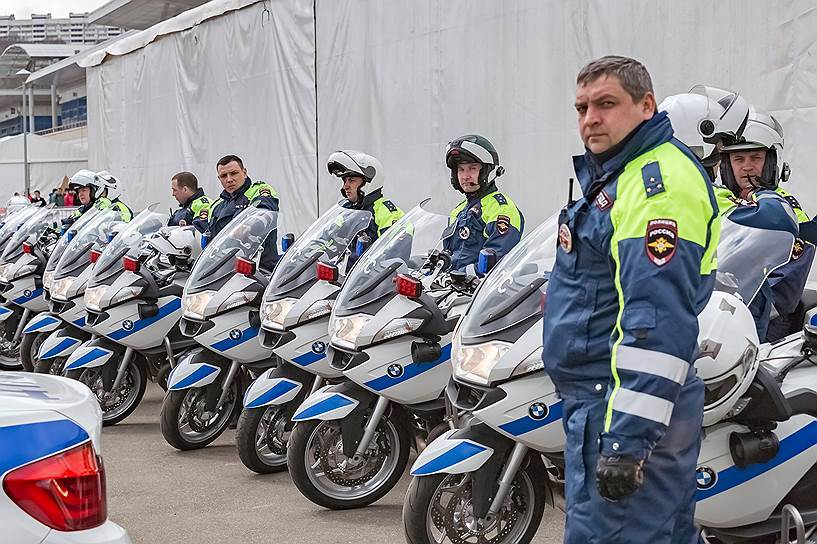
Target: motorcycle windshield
130	238
243	238
65	239
13	221
514	291
402	248
327	240
30	231
746	257
94	235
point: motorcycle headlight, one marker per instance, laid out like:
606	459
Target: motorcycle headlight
277	311
48	279
60	287
398	327
10	274
193	305
93	295
237	299
474	362
346	329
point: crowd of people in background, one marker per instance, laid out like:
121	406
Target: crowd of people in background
57	197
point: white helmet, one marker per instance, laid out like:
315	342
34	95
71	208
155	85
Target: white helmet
178	242
355	163
85	178
762	132
107	181
727	359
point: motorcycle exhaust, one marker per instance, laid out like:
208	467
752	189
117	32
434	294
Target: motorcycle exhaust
753	447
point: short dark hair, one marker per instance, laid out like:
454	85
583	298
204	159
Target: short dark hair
227	159
634	77
186	179
36	192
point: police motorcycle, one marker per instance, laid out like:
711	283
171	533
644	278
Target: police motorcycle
132	304
220	311
23	260
65	281
484	481
294	319
390	332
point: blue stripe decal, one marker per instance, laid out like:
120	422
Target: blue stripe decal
230	343
164	311
80	322
308	358
22	444
410	371
276	391
460	452
527	424
34	294
4	310
64	344
92	355
40	323
326	405
200	373
790	447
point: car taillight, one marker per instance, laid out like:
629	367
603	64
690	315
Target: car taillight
327	272
130	264
95	255
408	286
245	266
65	491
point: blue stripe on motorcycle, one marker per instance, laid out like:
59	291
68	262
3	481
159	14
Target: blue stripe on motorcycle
527	424
230	343
80	322
326	405
459	453
276	391
409	371
308	358
790	447
40	323
200	373
164	311
4	310
64	344
92	355
22	444
34	294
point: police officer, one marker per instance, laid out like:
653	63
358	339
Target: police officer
95	190
357	170
239	192
111	194
486	218
194	206
633	269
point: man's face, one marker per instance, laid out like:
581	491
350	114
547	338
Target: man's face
607	113
36	194
84	194
231	176
468	176
351	186
747	165
180	192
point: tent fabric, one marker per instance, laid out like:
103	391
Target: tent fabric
400	79
49	161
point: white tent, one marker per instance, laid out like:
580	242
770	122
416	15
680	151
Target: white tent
49	161
283	83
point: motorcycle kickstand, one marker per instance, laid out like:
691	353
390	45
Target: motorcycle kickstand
371	425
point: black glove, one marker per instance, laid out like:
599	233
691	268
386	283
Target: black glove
617	477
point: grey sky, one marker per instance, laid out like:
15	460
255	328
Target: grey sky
22	9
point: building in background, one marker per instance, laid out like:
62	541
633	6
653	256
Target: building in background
76	28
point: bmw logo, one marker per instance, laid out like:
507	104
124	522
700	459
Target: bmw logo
318	347
394	370
538	410
27	292
127	324
705	477
235	334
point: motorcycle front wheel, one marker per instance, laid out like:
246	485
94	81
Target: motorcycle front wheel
261	438
187	424
29	347
119	404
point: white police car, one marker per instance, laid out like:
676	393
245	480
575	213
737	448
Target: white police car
51	471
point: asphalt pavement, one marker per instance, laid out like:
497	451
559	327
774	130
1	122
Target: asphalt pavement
161	495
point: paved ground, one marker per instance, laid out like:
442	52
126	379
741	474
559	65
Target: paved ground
161	495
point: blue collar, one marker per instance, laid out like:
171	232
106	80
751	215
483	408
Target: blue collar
226	195
650	134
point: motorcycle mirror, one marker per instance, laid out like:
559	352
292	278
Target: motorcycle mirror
486	261
286	241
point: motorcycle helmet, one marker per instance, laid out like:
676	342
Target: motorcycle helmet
85	178
178	242
471	149
762	132
108	182
727	358
355	163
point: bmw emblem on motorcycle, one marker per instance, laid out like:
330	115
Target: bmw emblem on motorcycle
318	347
394	370
538	410
705	477
235	334
127	324
27	292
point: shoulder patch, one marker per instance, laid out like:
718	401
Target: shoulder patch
204	200
389	206
797	249
651	175
603	201
661	240
793	202
503	224
204	213
500	198
264	191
